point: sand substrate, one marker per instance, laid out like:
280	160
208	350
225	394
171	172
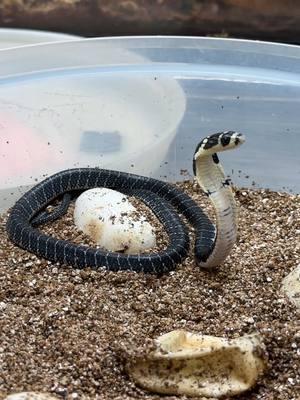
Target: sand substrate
66	331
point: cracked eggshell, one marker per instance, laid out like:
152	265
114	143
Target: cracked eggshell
291	286
108	217
183	363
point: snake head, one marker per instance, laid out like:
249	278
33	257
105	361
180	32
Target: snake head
220	141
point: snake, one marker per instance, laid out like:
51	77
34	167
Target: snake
173	207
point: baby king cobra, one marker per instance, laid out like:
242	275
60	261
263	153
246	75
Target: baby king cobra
212	244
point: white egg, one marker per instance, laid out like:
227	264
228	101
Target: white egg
109	218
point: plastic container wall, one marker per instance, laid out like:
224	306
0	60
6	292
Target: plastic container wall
142	105
22	37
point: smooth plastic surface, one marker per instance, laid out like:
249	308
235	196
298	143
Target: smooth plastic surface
142	105
22	37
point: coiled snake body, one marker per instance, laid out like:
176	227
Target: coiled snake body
212	244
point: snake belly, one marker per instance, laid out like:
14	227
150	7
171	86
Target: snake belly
165	200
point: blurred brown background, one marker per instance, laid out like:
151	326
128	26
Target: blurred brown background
276	20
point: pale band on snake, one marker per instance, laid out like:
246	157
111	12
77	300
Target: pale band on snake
212	243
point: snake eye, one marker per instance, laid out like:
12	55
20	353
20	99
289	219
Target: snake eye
225	139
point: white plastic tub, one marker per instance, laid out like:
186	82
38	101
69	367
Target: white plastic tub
142	104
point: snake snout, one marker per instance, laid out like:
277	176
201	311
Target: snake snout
239	139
